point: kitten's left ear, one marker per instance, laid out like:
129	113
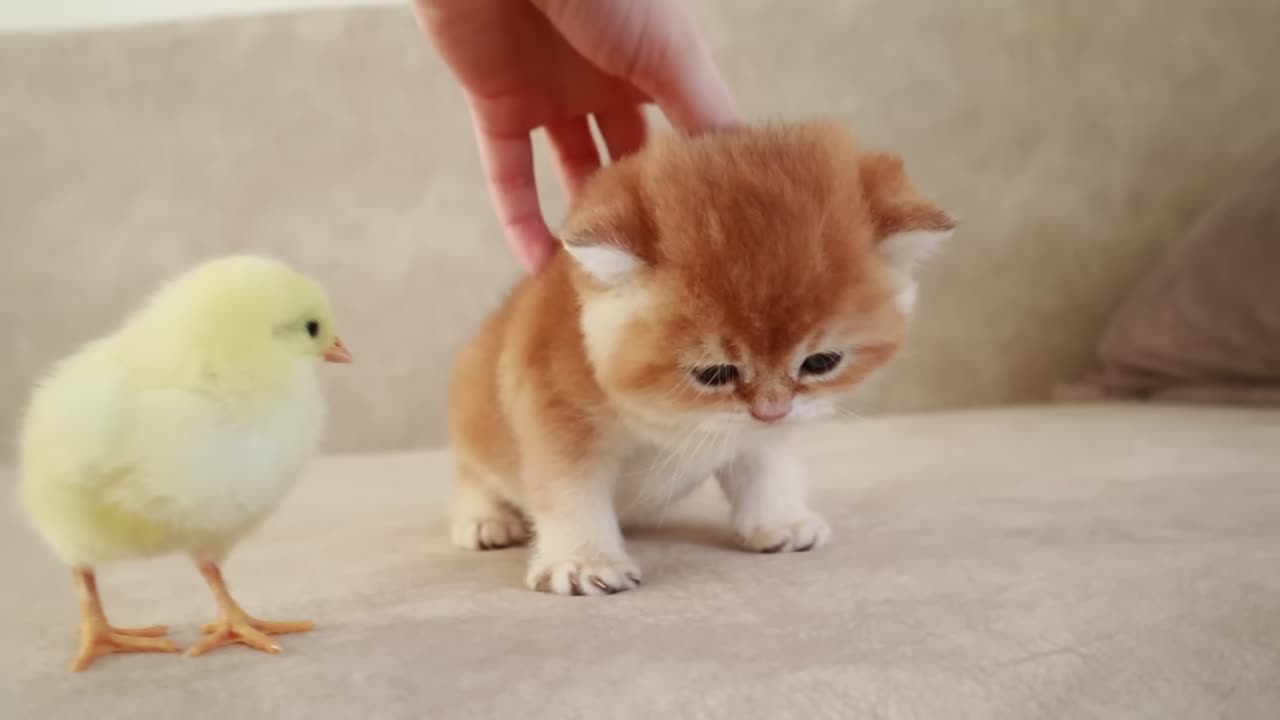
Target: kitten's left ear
908	227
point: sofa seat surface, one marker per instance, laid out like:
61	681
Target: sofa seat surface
1038	562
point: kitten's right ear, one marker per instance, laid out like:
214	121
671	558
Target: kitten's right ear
602	259
601	233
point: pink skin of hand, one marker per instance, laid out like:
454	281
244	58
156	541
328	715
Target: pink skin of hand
556	64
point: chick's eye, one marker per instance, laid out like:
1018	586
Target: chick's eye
820	363
715	375
313	328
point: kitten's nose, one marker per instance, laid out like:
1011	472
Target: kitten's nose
771	408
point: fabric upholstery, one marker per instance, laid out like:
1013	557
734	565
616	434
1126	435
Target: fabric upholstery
1073	562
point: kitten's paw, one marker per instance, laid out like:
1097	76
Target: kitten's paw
806	533
499	529
597	576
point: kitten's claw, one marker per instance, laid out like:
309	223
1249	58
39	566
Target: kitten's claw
574	577
801	535
778	546
497	531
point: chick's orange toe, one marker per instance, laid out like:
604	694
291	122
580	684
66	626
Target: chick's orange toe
143	632
270	627
246	630
97	639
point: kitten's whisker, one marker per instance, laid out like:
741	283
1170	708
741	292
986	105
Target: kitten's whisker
675	473
722	451
697	429
849	413
673	452
670	454
646	480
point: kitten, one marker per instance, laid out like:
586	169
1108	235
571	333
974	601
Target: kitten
716	290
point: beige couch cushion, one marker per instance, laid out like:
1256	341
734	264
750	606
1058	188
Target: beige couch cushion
1070	142
1023	563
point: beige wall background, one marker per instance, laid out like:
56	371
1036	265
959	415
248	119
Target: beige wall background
39	15
1072	143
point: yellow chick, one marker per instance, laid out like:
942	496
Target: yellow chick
180	432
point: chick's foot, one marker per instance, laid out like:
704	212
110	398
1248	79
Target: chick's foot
234	625
270	627
241	628
98	638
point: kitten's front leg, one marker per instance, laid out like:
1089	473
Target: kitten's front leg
766	491
578	546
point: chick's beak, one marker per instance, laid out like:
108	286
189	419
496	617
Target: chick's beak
337	353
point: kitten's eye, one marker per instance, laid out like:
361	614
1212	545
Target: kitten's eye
820	364
715	375
313	328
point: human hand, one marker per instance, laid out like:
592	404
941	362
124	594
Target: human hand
554	64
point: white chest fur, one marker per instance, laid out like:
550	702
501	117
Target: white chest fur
655	475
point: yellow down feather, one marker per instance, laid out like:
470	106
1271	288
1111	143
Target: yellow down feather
184	428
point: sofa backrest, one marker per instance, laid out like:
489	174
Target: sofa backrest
1071	141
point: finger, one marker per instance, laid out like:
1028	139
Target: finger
577	156
624	130
688	88
666	58
508	168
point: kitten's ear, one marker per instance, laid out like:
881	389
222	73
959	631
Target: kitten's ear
602	232
908	227
598	247
603	261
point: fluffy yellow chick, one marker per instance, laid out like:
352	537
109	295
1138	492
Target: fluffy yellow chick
180	432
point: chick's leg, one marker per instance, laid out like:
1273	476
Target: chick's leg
98	638
234	625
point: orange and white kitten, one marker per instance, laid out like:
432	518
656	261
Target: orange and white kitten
716	290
